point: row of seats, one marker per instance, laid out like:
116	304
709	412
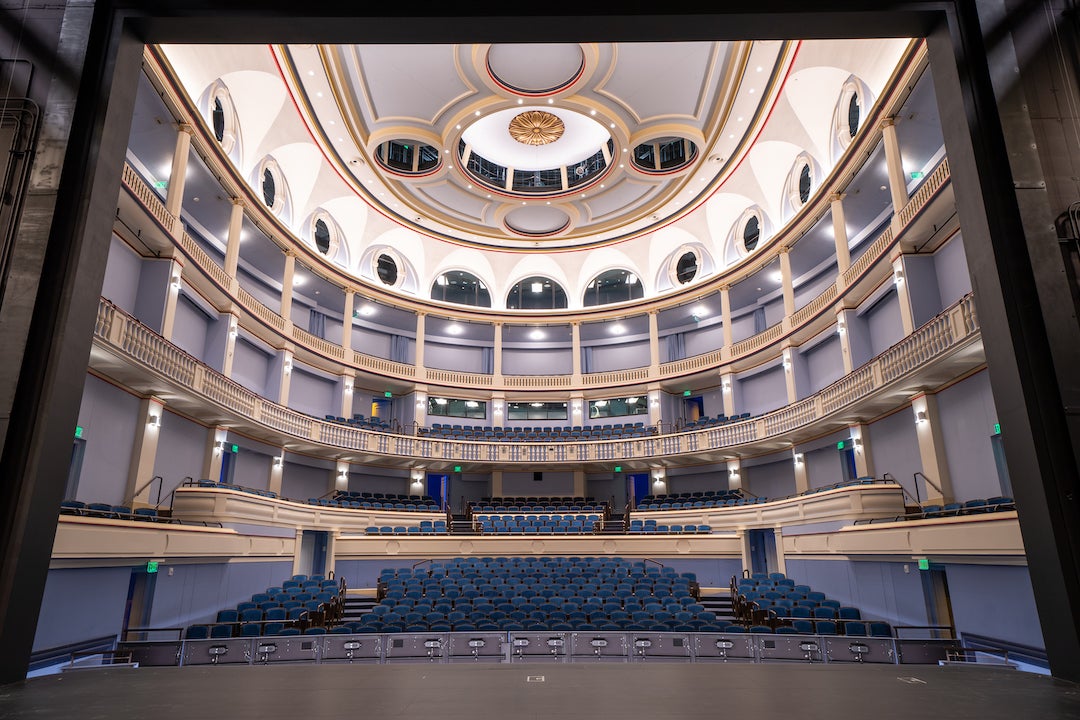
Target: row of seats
537	594
707	422
115	512
299	603
541	505
570	433
206	483
541	524
697	495
971	507
707	503
651	527
402	503
777	602
359	421
426	527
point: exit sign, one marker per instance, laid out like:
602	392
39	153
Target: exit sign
618	468
457	468
997	429
686	393
235	448
78	431
840	445
151	566
924	563
917	175
388	394
161	184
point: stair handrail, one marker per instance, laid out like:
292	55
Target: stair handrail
147	484
915	477
890	476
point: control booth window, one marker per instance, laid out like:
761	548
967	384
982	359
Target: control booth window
619	407
536	411
447	407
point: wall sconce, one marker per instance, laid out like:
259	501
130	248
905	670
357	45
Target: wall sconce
898	276
841	327
348	387
857	442
175	282
726	385
733	473
278	461
787	364
419	402
920	417
342	474
219	446
154	421
287	366
798	458
232	328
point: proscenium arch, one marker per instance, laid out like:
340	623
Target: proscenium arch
102	59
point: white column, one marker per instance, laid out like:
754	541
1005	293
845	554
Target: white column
894	163
840	234
903	293
174	197
168	318
420	327
339	476
843	329
654	344
420	399
659	485
416	481
287	286
577	409
230	345
744	546
214	449
734	468
786	282
725	314
575	349
654	404
802	478
932	449
864	457
286	377
346	323
232	243
346	384
789	375
727	393
277	471
497	350
144	452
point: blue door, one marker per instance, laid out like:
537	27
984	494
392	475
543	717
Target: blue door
436	488
638	487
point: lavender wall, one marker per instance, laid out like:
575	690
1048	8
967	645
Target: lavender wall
121	275
187	594
537	361
895	447
823	466
824	364
181	445
967	415
463	358
301	482
81	604
763	392
250	365
994	601
620	357
108	418
773	480
883	323
553	483
312	394
881	590
189	327
950	264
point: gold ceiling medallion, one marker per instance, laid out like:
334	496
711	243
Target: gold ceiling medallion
536	127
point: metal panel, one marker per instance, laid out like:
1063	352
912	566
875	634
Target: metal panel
721	647
477	647
406	647
923	652
603	646
352	648
223	651
152	654
538	646
655	646
807	648
290	648
860	649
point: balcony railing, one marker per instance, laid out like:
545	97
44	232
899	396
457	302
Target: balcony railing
800	320
126	337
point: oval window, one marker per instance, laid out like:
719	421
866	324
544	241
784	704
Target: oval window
219	120
853	114
751	233
322	236
804	184
269	188
686	268
387	269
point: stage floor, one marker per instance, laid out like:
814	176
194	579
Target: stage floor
657	691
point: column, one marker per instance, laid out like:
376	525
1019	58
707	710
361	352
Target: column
655	411
894	164
727	393
174	197
287	287
420	398
346	322
654	344
579	483
575	349
280	370
339	476
420	321
734	470
277	471
789	375
232	243
903	293
497	365
864	459
144	452
168	317
938	485
744	546
230	344
577	408
843	330
498	409
840	234
213	451
496	483
785	280
725	314
802	479
346	384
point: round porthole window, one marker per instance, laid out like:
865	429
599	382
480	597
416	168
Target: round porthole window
853	114
218	117
686	267
387	269
322	236
804	184
751	233
269	188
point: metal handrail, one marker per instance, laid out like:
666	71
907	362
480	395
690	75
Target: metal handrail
917	474
148	483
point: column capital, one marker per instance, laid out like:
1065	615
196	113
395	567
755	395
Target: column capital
725	287
185	128
236	200
888	121
349	290
288	252
837	197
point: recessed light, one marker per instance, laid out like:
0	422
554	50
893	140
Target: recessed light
739	119
617	329
489	195
548	202
447	151
592	112
458	127
601	184
624	150
551	101
470	187
759	68
751	91
333	122
310	72
318	94
477	113
536	335
520	101
776	276
612	125
621	165
732	136
367	310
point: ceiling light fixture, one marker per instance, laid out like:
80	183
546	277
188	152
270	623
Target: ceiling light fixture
537	287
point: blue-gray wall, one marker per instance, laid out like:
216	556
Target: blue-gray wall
192	593
994	601
81	604
967	416
881	590
108	416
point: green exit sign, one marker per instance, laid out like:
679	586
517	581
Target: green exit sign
618	468
840	445
457	468
235	448
917	175
686	393
161	184
151	566
924	563
388	394
78	431
997	429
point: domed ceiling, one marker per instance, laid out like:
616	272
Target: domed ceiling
631	153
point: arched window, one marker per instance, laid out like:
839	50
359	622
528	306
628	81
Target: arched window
269	188
461	288
612	286
322	236
804	184
853	114
219	119
536	293
387	269
751	233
